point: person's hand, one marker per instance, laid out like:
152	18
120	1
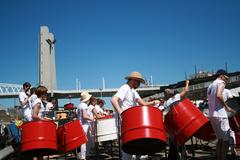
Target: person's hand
47	119
229	109
156	102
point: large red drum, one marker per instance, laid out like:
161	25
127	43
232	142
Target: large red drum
70	136
206	132
39	138
183	120
235	122
142	130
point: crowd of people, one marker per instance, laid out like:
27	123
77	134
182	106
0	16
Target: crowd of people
34	105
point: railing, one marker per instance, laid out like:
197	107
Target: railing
9	88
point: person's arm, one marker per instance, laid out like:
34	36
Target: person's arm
143	103
219	95
115	102
36	109
185	89
23	100
96	114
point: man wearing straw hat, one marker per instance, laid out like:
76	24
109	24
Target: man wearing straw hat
127	97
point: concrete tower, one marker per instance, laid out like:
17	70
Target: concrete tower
47	66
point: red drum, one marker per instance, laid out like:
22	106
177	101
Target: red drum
235	122
183	120
106	117
39	138
237	136
142	130
70	136
206	132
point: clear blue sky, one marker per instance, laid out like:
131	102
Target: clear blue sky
111	38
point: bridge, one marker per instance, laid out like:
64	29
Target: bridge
12	91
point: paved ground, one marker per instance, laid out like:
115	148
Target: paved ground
195	149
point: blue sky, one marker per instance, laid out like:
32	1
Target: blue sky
111	38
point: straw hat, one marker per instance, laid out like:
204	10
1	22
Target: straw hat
85	96
137	76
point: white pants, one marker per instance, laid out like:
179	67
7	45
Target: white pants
232	141
83	146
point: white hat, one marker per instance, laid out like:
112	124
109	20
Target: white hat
137	76
85	96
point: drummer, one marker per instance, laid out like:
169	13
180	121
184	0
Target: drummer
24	102
171	98
99	107
38	107
218	109
127	97
84	113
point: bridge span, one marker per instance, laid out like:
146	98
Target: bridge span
12	91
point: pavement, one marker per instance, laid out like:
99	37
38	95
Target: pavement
196	149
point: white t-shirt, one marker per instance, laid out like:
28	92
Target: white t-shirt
227	94
26	109
98	109
49	106
42	108
216	109
167	104
90	111
80	108
31	100
171	100
127	96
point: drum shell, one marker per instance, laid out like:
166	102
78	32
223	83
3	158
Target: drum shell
106	129
70	136
234	103
142	130
206	132
234	122
39	138
183	120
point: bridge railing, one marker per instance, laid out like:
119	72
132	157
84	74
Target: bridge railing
9	88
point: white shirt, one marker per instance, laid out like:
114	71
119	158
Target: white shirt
167	104
42	108
171	100
127	96
98	109
90	111
82	106
26	109
31	100
49	106
216	109
227	94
